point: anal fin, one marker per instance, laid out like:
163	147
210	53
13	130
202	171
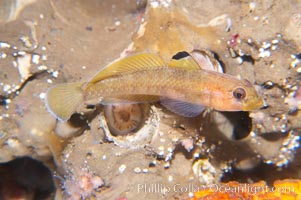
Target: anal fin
182	108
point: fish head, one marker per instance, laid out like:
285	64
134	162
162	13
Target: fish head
246	96
239	96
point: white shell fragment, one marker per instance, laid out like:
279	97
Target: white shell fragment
137	170
24	66
4	45
35	59
121	168
252	6
160	3
204	170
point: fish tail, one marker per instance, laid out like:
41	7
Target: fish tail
62	100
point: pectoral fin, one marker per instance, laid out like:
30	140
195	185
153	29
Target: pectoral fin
182	108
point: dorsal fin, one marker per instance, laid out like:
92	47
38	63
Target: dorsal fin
132	63
186	62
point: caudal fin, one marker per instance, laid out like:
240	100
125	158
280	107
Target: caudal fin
62	100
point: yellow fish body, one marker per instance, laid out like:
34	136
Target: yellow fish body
182	86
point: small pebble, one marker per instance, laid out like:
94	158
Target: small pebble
137	170
43	57
42	95
274	47
14	63
161	148
266	45
196	155
4	45
252	6
264	54
153	163
121	168
21	53
275	41
55	74
167	165
161	153
294	63
239	60
42	67
117	23
170	150
35	59
3	55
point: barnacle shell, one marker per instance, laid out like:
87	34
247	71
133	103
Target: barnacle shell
199	55
125	119
205	171
128	134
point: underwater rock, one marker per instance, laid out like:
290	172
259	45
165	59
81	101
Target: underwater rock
292	29
167	39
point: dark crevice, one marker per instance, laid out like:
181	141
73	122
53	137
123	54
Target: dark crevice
270	84
181	149
83	121
274	136
248	58
245	57
217	58
25	177
242	124
266	172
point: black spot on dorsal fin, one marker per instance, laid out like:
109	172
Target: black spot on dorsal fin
180	55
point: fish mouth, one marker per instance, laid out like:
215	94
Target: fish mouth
253	104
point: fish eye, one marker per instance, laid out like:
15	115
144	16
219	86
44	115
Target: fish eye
239	93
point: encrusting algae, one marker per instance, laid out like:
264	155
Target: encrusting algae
283	189
182	86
